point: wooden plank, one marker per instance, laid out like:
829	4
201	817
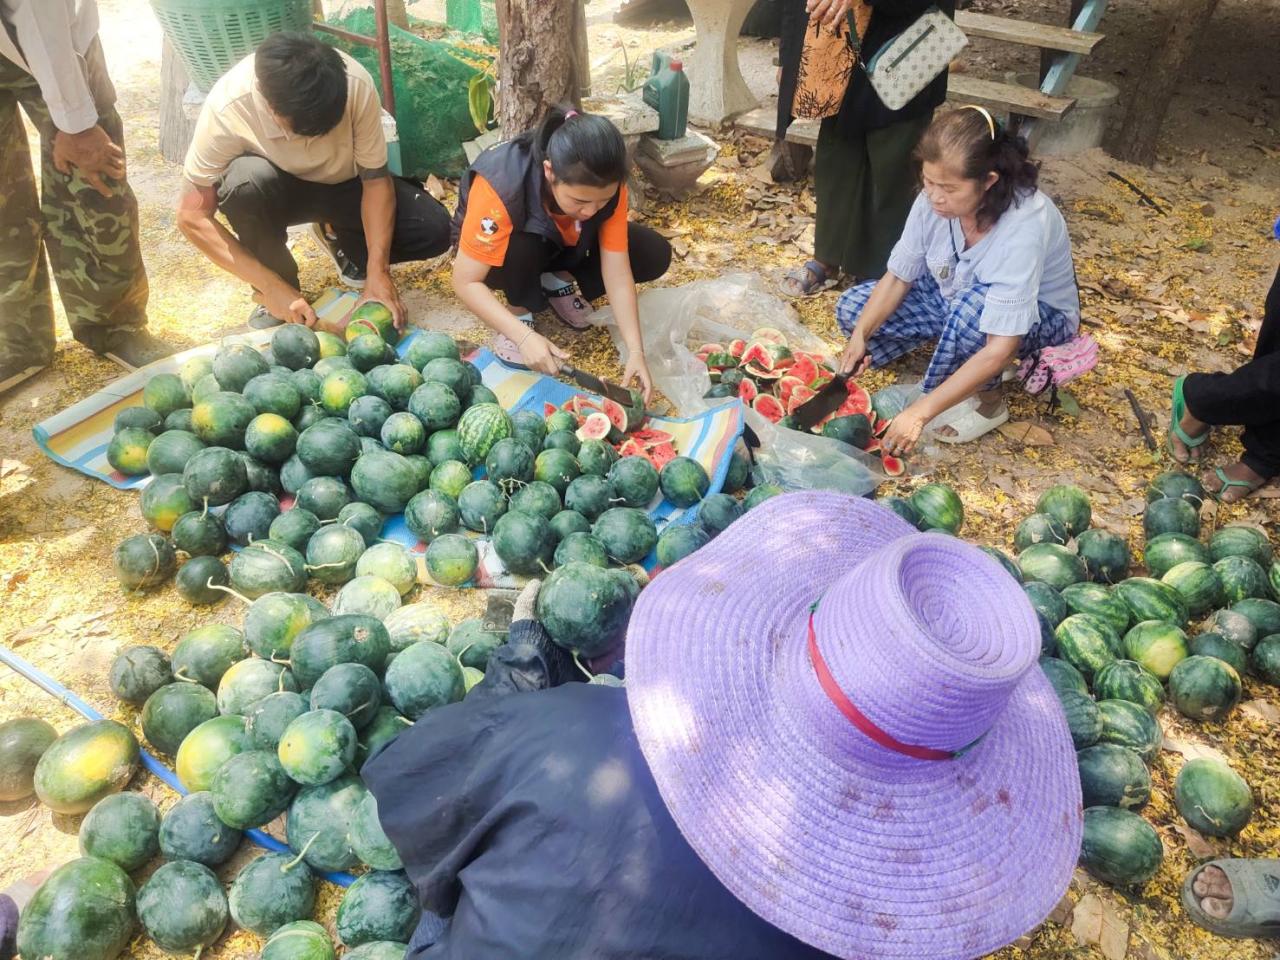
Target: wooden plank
1007	97
1028	34
763	122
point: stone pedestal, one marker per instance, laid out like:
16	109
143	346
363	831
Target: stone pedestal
674	166
717	89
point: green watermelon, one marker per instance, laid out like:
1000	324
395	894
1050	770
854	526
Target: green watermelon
1149	599
1130	725
387	724
683	481
1157	645
537	497
23	740
248	517
1119	847
169	452
164	500
1051	563
85	764
378	950
199	534
143	561
249	681
1234	626
372	319
510	464
197	579
271	438
1069	505
1010	566
1131	681
717	512
429	344
274	393
365	520
628	534
300	940
165	393
273	621
584	608
633	481
854	429
1204	688
206	653
739	470
340	389
138	418
1063	676
1263	614
368	351
123	828
556	467
368	839
1170	516
452	560
1199	586
329	447
1113	776
566	522
1241	579
589	495
1083	719
208	747
422	468
583	548
1216	645
191	830
596	457
523	541
174	711
430	514
266	720
1170	549
1213	799
180	420
251	789
443	445
235	364
436	405
394	383
1047	601
453	373
221	420
85	910
390	562
214	476
319	820
271	891
528	427
414	622
138	672
471	643
1105	555
939	507
678	541
327	365
423	676
480	504
293	474
379	906
332	554
384	480
480	427
1265	659
350	689
347	638
127	451
317	747
1095	599
1176	483
1238	540
295	346
899	505
403	433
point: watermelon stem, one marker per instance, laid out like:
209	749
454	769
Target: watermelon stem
324	566
543	564
217	586
578	663
298	859
177	674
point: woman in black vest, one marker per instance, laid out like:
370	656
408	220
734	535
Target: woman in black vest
543	218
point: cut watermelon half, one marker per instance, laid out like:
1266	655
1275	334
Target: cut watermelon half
548	409
859	400
881	427
893	466
708	348
761	372
652	437
769	335
737	348
804	368
799	396
747	391
596	426
661	454
770	408
631	447
757	355
616	413
788	384
582	405
873	446
780	357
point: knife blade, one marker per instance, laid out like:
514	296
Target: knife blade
593	383
827	400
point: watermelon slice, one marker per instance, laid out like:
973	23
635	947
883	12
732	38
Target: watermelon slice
780	357
720	361
596	426
873	446
582	405
708	348
804	368
859	400
769	335
881	427
652	437
548	409
757	355
761	372
616	413
770	408
631	447
786	385
661	455
893	466
799	396
738	348
747	391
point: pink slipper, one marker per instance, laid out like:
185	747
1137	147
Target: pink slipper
570	306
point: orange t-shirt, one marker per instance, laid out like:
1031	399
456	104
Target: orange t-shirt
487	227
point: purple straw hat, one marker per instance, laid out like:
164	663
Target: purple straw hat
846	721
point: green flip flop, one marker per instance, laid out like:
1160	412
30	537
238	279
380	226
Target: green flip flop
1229	482
1178	407
1255	908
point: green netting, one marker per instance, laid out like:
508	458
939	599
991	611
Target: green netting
473	16
430	79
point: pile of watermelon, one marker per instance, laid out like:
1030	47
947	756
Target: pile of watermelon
775	380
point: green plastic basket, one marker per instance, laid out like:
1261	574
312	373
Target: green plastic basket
212	36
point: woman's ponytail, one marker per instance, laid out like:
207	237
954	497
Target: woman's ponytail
584	149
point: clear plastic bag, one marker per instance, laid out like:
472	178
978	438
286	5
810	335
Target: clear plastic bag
677	320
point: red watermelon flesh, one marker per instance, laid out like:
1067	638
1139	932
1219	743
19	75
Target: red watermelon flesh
769	335
804	368
786	385
708	348
596	426
661	455
799	396
770	408
761	372
881	427
859	400
893	466
631	447
548	409
738	348
652	437
747	390
757	355
780	357
616	413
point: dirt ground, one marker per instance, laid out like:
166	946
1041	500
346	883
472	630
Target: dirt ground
1163	293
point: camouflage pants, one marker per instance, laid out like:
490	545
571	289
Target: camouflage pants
92	240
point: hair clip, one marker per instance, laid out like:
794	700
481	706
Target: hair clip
570	115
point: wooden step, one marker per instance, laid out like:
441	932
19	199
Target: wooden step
1007	97
763	122
1028	34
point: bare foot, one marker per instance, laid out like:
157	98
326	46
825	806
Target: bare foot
1230	493
1192	428
1213	893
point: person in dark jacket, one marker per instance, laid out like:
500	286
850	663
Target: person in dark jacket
543	218
864	179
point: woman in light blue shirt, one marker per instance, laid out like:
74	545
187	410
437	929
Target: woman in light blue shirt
983	268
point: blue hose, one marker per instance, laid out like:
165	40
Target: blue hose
61	693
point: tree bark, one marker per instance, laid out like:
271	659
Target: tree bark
176	128
535	61
1150	94
581	49
397	15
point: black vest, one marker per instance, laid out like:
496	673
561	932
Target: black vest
522	187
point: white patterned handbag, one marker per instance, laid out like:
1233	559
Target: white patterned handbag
910	61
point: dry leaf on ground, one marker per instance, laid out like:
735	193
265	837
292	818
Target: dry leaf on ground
1099	923
1028	434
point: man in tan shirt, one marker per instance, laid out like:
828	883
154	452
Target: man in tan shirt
290	135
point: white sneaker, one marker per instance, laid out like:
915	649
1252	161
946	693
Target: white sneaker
349	273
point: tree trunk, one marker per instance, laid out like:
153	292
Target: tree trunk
1150	94
535	61
397	15
176	127
581	49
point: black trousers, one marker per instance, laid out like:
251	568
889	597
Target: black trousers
530	255
260	201
1250	395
